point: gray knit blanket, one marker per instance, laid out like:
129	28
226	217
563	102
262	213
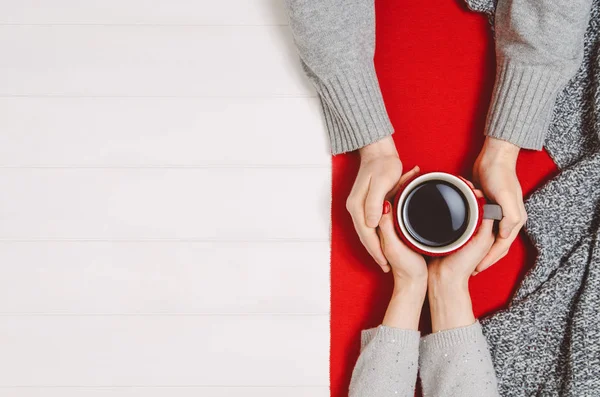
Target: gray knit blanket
547	343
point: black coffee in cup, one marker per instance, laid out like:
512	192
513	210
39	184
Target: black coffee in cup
436	213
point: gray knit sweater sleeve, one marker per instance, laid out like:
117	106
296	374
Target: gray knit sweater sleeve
336	43
452	363
457	362
539	47
388	363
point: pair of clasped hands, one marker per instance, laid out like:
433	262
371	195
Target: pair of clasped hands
380	176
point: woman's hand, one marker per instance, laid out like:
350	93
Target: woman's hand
379	173
448	280
495	171
410	274
408	266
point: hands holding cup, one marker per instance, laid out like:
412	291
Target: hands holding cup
377	180
455	251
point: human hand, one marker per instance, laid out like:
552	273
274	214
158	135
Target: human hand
457	268
379	173
495	172
448	280
408	266
410	274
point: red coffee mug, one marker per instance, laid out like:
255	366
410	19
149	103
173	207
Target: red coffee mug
476	210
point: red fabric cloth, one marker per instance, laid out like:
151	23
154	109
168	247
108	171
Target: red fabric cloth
435	62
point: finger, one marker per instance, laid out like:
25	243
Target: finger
497	252
368	237
403	179
385	268
484	237
378	189
486	228
387	229
407	176
468	182
356	205
499	247
391	244
482	268
523	211
512	215
478	193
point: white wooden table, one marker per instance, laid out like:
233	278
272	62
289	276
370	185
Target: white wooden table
164	202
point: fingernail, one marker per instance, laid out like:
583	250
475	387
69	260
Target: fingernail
386	207
475	273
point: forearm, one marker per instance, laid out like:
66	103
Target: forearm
336	42
539	47
389	357
455	359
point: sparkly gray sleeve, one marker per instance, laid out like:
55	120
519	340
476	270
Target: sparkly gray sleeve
388	363
457	362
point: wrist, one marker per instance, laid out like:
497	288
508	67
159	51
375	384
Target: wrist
381	148
499	151
441	277
450	303
413	289
414	285
440	287
404	309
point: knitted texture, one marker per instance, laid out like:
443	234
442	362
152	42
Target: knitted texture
388	363
452	363
457	362
336	43
547	343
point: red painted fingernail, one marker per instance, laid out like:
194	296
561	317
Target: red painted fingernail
386	207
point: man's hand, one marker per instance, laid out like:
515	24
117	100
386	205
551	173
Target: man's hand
379	173
495	172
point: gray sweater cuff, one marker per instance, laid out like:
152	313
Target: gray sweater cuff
523	103
353	107
457	362
452	337
401	337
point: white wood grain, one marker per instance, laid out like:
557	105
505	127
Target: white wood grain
117	204
161	131
322	391
164	206
150	61
164	12
165	277
163	351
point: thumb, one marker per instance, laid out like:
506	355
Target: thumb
386	224
404	179
511	212
378	189
387	230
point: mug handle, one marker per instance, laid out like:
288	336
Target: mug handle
492	211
